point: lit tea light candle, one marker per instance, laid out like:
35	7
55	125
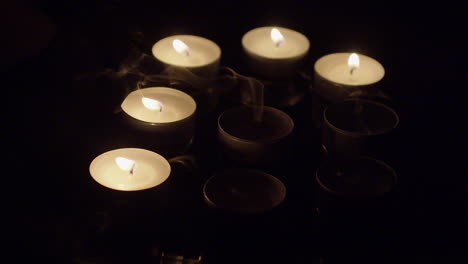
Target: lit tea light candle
167	114
339	74
275	52
130	169
195	53
159	105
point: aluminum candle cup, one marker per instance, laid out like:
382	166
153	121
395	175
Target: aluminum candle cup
338	75
357	190
275	52
245	141
163	116
199	55
356	127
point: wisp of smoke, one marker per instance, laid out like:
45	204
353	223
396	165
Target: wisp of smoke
133	71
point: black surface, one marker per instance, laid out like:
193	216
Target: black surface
57	121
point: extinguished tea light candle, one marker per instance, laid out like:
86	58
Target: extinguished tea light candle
187	51
159	105
130	169
247	141
349	69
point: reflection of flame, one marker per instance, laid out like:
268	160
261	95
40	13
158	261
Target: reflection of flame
152	104
181	47
353	62
126	164
277	37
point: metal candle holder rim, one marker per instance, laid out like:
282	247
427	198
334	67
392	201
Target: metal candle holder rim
357	134
257	141
146	123
322	185
276	180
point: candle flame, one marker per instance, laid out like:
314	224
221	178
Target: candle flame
126	164
353	62
277	37
181	47
152	104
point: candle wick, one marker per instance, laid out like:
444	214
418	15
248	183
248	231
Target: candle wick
352	70
132	170
279	43
187	52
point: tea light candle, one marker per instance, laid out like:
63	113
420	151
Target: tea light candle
255	143
200	55
356	127
339	74
130	169
359	191
167	114
159	105
275	52
159	108
243	191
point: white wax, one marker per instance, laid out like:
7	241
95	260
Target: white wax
151	169
258	42
334	67
176	105
203	52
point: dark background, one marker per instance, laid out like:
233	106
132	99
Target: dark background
56	123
